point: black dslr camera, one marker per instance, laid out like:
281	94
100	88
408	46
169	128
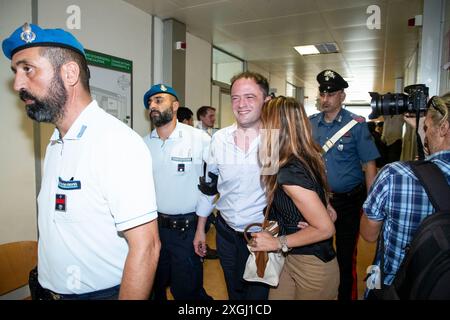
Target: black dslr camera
414	100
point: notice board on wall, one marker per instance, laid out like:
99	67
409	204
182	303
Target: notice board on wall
111	84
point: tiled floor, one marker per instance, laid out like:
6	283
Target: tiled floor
214	282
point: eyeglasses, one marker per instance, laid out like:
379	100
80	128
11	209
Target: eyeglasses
437	104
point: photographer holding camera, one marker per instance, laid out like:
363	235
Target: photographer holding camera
397	202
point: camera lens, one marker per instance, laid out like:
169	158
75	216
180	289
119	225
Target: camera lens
388	104
414	101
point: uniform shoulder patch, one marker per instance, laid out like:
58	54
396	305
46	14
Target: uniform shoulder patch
358	118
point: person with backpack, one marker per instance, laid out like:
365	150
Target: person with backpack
397	202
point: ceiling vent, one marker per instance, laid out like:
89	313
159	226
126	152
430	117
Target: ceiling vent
329	47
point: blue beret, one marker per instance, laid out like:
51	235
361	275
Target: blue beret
158	88
31	35
330	81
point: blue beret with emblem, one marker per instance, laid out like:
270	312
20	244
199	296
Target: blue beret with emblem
330	81
158	88
31	35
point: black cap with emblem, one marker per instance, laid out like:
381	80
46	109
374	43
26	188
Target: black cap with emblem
330	81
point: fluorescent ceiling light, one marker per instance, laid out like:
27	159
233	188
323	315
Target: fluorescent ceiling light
321	48
307	50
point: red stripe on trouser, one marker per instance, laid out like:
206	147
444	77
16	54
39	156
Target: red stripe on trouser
354	272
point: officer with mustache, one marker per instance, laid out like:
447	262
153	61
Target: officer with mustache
349	153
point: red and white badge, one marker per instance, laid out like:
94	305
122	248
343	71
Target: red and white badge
60	202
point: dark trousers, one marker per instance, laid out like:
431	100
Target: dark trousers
233	253
394	151
179	267
348	207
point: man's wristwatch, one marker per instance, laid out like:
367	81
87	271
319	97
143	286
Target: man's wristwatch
283	244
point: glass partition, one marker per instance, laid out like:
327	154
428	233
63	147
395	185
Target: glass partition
225	66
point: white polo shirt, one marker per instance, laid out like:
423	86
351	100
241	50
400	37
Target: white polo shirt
97	182
177	165
209	131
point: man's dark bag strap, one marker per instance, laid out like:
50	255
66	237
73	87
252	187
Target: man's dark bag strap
434	183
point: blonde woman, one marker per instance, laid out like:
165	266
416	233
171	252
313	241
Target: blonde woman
297	193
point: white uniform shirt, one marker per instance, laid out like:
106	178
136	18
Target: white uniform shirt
209	131
242	198
97	182
177	165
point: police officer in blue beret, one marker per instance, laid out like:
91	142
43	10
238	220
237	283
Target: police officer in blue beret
98	233
179	152
349	153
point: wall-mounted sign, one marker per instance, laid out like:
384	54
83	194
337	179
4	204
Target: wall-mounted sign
111	84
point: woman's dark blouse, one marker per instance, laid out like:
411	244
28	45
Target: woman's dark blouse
288	216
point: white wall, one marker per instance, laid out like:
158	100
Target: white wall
198	73
112	27
445	74
17	178
255	68
158	52
431	46
215	101
278	83
275	81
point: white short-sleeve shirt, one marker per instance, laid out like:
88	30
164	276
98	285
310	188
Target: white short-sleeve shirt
177	165
97	182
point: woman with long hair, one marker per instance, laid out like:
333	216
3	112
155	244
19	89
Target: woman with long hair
297	193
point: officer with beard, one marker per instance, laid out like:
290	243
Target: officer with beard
98	236
179	152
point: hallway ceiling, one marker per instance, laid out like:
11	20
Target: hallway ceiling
264	32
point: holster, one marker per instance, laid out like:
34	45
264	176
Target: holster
36	290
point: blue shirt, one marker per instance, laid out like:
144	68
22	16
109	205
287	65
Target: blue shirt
344	160
398	198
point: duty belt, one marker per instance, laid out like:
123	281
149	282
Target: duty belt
180	222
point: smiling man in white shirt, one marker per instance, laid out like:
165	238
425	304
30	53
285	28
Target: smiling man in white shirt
234	158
